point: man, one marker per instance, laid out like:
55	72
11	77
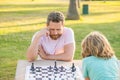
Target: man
55	42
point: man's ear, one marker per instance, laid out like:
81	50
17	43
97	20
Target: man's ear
47	25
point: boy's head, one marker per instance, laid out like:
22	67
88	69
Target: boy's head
96	44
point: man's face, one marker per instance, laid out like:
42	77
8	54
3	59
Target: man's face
56	29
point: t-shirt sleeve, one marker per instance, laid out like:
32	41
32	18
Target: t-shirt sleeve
34	38
69	36
84	68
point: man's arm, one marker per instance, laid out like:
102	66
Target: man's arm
32	51
68	54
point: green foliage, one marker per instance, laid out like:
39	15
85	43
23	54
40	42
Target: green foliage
18	22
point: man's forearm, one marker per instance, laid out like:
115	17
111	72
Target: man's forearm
63	57
66	56
32	51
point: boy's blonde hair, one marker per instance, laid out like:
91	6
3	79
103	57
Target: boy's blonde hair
96	44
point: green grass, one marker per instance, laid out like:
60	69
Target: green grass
18	22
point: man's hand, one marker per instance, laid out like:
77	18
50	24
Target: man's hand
42	32
42	53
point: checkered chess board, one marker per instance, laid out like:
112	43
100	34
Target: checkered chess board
50	73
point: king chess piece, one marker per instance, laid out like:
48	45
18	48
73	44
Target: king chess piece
55	66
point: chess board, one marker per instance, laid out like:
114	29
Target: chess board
52	73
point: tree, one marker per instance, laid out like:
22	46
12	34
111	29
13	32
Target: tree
73	13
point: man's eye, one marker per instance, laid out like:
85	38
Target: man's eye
54	29
58	29
51	29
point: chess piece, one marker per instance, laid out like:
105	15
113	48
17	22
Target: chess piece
55	67
32	67
55	64
61	69
73	68
50	69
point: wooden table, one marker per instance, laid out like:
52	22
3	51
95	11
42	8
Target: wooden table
21	66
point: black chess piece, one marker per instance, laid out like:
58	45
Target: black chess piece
73	67
32	67
61	69
50	69
55	66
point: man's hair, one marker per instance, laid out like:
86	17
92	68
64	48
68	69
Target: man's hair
55	17
96	44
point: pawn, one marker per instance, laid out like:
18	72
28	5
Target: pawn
50	69
62	69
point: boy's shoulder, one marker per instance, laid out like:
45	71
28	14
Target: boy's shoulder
87	59
93	58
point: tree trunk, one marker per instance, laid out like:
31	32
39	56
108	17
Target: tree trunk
73	13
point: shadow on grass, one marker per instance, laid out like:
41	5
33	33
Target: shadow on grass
30	13
31	5
22	25
101	13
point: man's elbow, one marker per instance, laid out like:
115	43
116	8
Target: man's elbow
69	59
30	59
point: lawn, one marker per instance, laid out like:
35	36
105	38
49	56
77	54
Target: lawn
20	20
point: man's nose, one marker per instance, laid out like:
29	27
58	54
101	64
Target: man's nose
55	32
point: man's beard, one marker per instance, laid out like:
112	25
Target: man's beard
55	37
